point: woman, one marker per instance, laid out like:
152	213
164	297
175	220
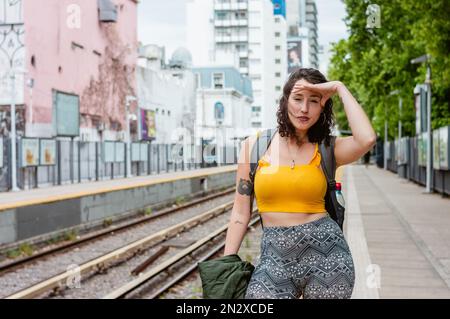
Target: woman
303	251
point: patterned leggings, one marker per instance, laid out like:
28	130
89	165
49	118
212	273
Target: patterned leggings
311	259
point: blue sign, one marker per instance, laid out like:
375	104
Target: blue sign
279	7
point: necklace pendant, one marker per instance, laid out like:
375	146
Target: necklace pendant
293	164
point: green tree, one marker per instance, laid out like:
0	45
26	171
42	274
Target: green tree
374	62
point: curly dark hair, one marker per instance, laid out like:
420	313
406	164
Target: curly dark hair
320	131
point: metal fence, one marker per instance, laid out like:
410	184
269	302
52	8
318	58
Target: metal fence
79	162
411	168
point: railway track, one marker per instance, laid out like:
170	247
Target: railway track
100	265
216	241
96	235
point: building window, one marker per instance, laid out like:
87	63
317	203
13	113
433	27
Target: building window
277	34
221	15
277	20
278	88
219	111
277	74
256	108
218	80
162	112
240	15
198	79
241	47
277	61
278	47
243	63
256	124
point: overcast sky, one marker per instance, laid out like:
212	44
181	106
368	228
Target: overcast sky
163	23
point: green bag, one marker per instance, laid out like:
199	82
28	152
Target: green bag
225	277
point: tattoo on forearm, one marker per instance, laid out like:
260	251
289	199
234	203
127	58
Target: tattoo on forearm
245	187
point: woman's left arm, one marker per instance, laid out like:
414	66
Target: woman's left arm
351	148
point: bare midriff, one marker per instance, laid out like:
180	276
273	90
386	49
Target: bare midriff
289	219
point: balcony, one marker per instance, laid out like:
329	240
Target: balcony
243	54
231	38
231	23
243	70
230	6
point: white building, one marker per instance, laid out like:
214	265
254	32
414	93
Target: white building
168	91
243	34
224	99
279	60
301	16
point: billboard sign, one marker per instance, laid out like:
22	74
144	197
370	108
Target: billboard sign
294	55
29	152
420	104
148	125
48	151
66	118
444	153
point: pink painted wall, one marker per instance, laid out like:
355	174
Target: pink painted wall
101	82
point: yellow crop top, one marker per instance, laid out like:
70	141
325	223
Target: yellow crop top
280	188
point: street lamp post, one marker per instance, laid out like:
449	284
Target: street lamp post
426	59
129	98
14	187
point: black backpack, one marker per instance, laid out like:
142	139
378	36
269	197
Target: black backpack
328	163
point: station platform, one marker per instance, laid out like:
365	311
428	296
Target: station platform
399	237
30	213
398	234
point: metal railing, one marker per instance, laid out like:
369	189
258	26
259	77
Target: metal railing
79	162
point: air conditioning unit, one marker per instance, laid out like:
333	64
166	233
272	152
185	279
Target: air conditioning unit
107	11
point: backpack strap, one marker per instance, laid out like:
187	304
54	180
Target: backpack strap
328	162
262	143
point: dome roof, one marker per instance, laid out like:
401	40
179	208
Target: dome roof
181	57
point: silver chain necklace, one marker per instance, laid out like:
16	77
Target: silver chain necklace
290	154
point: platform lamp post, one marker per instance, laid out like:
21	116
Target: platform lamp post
128	99
13	47
400	104
426	59
12	77
11	74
